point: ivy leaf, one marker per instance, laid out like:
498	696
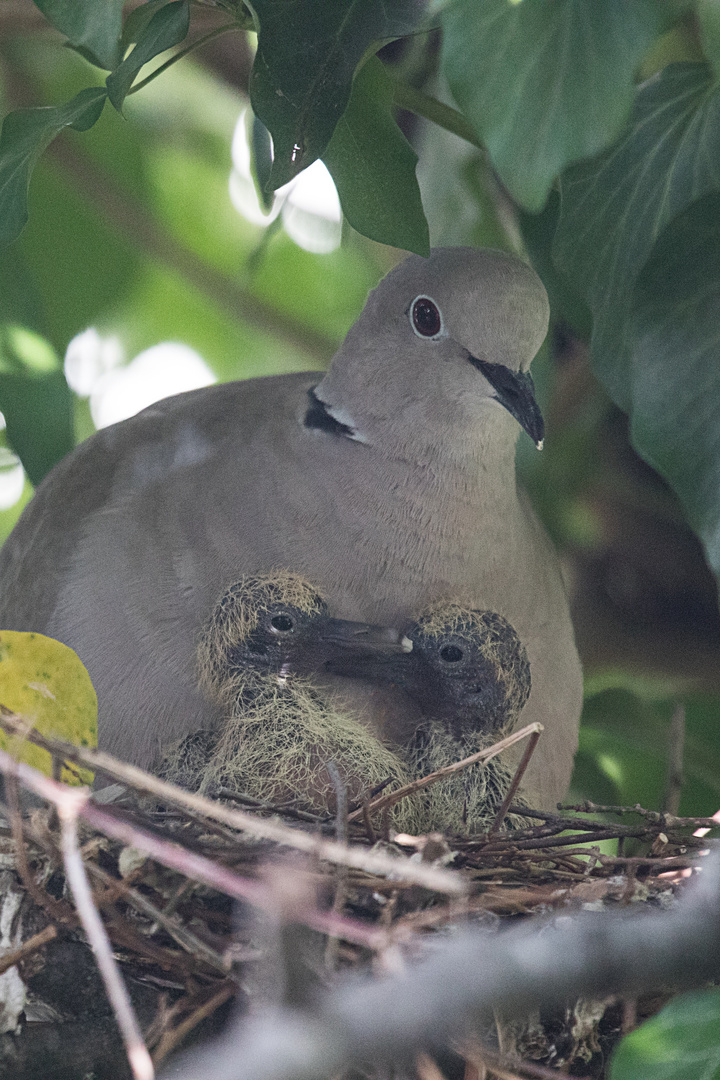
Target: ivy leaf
91	26
614	208
681	1043
39	417
25	134
167	27
373	166
306	58
675	371
545	84
708	14
35	400
137	20
44	680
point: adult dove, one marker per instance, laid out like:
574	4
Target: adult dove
388	481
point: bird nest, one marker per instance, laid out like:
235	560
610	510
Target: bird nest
199	899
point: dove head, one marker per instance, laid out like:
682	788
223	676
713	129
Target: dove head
277	625
443	345
471	671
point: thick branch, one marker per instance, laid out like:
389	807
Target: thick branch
391	1019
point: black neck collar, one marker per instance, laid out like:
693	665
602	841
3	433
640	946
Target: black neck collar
318	416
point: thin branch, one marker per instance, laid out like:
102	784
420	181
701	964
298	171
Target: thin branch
170	1039
482	756
655	817
422	104
537	964
57	909
183	53
519	773
676	745
27	948
69	807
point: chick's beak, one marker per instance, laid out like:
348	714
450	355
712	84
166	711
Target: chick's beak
515	390
343	636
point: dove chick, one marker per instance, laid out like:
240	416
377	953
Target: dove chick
257	654
471	679
468	678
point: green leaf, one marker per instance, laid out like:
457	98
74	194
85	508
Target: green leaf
45	681
302	76
91	26
681	1043
25	134
624	743
137	21
614	208
566	305
373	166
20	300
39	416
166	28
261	161
708	12
545	83
675	370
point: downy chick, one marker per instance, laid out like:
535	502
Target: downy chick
264	640
468	675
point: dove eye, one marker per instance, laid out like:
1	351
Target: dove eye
451	654
425	317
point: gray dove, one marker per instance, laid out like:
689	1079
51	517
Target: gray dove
388	481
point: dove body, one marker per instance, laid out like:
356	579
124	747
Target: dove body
389	482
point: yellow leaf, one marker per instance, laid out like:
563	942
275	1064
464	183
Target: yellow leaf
46	683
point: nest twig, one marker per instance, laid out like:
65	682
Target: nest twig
165	924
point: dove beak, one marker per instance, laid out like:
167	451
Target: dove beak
515	391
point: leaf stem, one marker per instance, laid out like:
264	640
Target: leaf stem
422	104
183	52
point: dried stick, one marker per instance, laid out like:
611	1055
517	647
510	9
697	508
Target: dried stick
519	773
371	862
27	948
184	937
56	909
170	1039
68	808
182	859
425	781
341	834
657	817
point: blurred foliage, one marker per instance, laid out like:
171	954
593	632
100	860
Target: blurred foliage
681	1043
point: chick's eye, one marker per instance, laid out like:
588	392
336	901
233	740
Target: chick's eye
451	654
282	624
425	317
